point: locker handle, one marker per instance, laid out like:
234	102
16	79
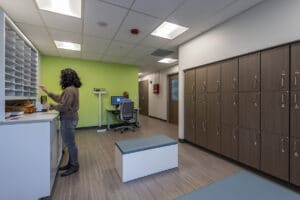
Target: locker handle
234	100
255	82
282	100
234	134
255	101
283	142
218	85
283	74
296	154
257	135
218	131
296	107
204	85
203	125
295	77
282	145
234	83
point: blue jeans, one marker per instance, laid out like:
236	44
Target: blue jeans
68	136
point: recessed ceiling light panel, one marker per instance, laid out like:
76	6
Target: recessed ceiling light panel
65	7
167	60
169	30
67	45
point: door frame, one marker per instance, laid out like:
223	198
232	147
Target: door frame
141	83
168	94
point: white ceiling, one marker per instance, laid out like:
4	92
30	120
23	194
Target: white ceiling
114	42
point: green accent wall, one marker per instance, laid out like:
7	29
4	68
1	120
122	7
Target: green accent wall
115	78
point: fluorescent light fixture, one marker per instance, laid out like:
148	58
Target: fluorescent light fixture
167	60
65	7
169	30
67	45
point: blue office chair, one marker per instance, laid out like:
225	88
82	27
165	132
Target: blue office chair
126	116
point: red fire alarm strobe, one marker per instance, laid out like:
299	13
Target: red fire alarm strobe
134	31
156	88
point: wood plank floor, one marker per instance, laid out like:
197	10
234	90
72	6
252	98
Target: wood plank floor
98	179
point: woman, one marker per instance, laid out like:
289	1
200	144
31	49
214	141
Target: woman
67	105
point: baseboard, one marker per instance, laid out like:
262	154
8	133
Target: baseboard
181	140
102	127
164	120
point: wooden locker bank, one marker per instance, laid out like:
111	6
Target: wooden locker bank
248	109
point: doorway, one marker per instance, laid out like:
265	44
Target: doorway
173	98
143	97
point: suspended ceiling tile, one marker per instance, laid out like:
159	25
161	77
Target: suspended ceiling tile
155	42
65	36
232	10
194	12
38	35
111	59
123	3
140	51
94	44
48	50
128	61
69	53
97	11
149	59
119	49
144	23
22	11
62	22
156	8
90	55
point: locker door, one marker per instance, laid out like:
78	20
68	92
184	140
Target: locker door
275	69
275	155
189	106
295	66
295	161
229	76
213	78
295	114
249	147
229	107
213	122
249	73
249	110
229	141
275	113
201	134
201	80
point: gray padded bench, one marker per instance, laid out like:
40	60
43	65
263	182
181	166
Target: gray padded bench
135	158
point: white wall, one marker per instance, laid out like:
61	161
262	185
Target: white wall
268	24
271	23
158	103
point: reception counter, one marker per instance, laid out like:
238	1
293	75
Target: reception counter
30	153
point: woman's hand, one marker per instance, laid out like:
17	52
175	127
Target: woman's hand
43	88
48	106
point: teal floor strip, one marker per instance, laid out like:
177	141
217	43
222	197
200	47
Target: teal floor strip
242	186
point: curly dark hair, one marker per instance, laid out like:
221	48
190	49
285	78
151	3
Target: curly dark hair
69	77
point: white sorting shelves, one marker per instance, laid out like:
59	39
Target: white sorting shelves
20	66
140	157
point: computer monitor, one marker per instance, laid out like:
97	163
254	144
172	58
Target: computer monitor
116	100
